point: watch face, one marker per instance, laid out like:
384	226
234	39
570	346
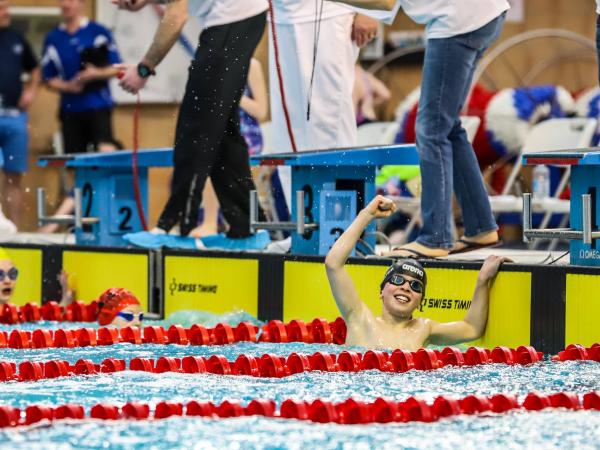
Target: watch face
144	71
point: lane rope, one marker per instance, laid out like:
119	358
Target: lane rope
348	412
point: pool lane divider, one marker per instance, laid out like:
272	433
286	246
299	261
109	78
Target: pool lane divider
318	331
348	412
272	366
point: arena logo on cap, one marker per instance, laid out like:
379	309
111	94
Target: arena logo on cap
413	269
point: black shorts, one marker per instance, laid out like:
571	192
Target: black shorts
83	131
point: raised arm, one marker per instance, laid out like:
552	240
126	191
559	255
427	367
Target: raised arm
473	325
167	33
341	284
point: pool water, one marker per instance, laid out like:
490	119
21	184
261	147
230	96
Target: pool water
518	429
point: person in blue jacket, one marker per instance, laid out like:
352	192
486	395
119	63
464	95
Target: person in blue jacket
77	62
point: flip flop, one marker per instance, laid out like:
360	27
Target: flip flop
471	246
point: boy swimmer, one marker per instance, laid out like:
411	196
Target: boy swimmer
402	289
119	307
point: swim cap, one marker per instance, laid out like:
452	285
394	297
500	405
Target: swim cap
408	266
112	301
3	254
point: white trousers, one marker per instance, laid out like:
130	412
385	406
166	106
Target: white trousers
332	122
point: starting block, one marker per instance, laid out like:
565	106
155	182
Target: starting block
584	233
105	207
330	187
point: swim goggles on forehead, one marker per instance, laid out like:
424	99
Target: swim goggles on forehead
130	316
11	273
399	280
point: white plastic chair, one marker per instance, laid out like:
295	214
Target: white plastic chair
471	126
377	133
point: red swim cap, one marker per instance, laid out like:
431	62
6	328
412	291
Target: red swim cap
112	301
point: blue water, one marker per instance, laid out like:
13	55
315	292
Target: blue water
547	429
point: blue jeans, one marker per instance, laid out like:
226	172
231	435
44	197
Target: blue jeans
447	158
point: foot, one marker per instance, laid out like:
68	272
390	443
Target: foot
416	250
203	230
488	238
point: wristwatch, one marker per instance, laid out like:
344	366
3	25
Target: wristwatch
144	71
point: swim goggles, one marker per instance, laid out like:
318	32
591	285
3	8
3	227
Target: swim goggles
130	316
11	273
399	280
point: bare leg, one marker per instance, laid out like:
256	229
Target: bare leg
14	196
210	203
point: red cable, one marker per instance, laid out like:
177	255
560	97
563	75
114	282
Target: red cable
280	78
134	165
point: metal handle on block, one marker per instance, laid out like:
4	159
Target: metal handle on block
526	215
586	234
299	226
586	208
76	219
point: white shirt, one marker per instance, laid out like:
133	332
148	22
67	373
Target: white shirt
211	13
300	11
447	18
598	6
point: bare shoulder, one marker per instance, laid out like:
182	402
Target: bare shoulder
424	325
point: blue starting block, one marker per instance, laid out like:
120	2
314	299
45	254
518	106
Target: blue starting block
331	186
584	232
105	188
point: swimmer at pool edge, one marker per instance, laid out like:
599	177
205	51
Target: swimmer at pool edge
402	289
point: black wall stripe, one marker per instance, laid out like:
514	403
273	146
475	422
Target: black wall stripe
270	287
548	299
52	263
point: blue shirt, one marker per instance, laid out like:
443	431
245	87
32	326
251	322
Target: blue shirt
65	55
17	57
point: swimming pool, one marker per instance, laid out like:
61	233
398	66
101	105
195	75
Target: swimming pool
552	428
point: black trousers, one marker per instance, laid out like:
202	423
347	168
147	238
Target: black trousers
83	131
207	138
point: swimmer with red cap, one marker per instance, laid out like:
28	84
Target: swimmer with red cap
401	292
119	307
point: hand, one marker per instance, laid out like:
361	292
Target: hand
364	30
67	292
26	99
130	80
490	267
381	207
130	5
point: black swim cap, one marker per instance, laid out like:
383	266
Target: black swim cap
408	266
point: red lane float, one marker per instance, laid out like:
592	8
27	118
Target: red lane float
350	411
265	366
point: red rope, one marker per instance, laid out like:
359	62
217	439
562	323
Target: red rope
280	78
134	164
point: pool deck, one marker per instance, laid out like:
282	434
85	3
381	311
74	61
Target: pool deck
519	256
